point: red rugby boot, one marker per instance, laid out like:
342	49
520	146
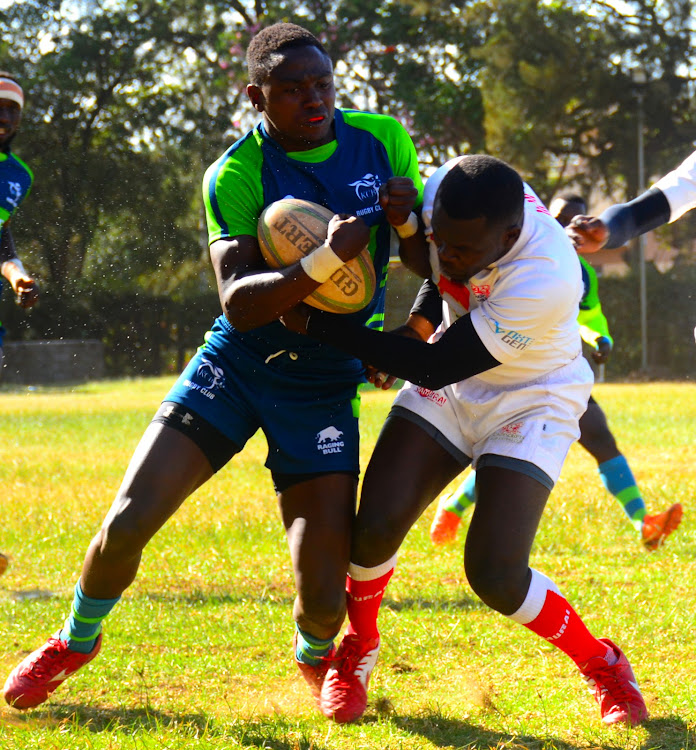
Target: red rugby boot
314	674
344	693
33	680
615	688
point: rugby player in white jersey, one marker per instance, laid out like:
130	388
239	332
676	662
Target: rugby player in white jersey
497	380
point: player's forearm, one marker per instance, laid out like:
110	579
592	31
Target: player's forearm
625	221
458	355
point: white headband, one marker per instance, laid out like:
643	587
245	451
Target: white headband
11	90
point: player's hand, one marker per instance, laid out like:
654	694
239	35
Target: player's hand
587	233
297	318
348	236
601	354
26	291
397	197
378	378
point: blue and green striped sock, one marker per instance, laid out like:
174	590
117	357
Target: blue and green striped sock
463	497
618	478
83	626
311	650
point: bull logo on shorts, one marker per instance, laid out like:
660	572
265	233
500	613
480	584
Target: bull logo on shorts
329	440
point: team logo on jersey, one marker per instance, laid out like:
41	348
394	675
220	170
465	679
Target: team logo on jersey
209	378
15	193
367	188
329	440
482	293
511	432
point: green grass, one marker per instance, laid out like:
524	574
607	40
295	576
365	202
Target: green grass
198	652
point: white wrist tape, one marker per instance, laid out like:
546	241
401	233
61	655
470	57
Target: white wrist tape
321	264
409	228
15	262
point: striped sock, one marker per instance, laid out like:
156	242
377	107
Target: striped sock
311	650
618	478
462	498
83	626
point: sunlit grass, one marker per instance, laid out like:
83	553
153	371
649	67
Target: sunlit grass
198	652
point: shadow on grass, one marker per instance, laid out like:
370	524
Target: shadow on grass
217	598
669	733
273	733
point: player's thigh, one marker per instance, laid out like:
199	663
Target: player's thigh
407	471
317	515
510	503
165	469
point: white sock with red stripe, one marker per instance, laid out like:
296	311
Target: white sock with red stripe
365	588
546	612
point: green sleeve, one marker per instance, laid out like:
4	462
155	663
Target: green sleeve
593	323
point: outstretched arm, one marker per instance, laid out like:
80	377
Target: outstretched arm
23	285
620	223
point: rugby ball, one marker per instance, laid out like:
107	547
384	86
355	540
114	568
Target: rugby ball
292	228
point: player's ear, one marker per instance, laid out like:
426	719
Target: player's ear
255	95
510	236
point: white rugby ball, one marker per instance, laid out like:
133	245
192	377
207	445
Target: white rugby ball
292	228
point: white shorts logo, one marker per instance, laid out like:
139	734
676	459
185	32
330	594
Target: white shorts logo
329	440
434	396
511	432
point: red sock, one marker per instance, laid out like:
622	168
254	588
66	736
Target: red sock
365	588
546	612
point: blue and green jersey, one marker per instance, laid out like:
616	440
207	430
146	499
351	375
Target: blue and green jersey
344	176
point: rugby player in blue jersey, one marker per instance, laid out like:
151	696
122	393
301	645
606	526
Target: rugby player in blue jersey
252	373
15	182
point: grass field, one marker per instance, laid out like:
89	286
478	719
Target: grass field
197	655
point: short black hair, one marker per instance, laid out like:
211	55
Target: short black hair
570	197
481	185
272	40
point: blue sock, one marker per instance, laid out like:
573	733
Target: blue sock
618	478
311	650
463	497
82	628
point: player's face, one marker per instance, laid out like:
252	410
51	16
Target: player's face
467	246
564	211
298	99
10	116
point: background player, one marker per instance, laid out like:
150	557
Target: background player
15	182
595	435
252	372
667	200
510	284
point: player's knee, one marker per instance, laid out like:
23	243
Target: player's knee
321	615
373	544
123	534
501	584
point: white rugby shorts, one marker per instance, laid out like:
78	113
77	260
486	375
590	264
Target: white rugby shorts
536	421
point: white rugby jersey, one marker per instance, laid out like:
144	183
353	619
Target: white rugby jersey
524	307
679	187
